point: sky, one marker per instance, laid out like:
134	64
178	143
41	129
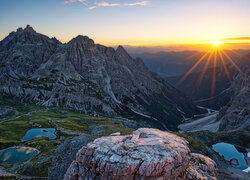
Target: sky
133	22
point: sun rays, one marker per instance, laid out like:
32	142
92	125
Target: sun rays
213	57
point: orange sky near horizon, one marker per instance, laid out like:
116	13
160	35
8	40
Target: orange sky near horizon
193	24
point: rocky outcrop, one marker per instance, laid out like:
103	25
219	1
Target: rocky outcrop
236	114
201	167
6	175
145	154
87	77
64	154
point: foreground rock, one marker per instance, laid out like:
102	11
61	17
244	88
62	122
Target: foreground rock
201	167
146	154
64	153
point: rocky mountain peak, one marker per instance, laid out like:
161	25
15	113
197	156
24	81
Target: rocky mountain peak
122	56
19	30
24	51
29	29
28	36
120	48
88	77
121	51
80	39
55	40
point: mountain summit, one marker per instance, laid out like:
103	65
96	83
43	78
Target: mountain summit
87	77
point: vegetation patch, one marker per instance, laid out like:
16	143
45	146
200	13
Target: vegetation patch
194	145
29	116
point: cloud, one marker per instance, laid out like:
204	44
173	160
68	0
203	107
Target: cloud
237	38
97	4
92	7
73	1
67	2
106	4
139	3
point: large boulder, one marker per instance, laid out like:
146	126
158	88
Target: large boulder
145	154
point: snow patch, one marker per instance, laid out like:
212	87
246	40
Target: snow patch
247	170
209	111
144	115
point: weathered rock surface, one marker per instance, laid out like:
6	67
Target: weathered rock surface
201	167
64	154
87	77
23	51
145	154
6	175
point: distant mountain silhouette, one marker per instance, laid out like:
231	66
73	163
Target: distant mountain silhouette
169	64
201	94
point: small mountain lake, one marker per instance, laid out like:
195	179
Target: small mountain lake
39	132
17	154
229	152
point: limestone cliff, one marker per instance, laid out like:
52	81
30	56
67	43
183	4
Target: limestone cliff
87	77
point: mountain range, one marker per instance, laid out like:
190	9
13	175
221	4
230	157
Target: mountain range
85	91
87	77
176	63
204	93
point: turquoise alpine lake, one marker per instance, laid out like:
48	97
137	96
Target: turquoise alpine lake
17	154
39	132
228	151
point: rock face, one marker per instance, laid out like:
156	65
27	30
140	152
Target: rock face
64	154
201	167
87	77
6	175
23	51
145	154
236	114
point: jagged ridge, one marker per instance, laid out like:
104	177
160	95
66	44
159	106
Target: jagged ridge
87	77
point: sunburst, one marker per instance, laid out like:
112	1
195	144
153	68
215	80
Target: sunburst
215	54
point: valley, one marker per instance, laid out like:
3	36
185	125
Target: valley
59	100
67	123
70	125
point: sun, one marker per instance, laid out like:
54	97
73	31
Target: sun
216	43
212	56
